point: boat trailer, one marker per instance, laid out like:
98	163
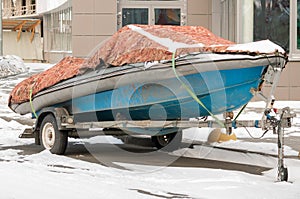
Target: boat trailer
270	122
62	125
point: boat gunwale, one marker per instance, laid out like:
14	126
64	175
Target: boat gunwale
155	67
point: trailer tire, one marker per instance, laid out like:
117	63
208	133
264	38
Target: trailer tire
51	137
169	142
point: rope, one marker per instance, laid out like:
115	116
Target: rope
31	104
192	94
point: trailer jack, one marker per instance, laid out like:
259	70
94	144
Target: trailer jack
284	122
278	124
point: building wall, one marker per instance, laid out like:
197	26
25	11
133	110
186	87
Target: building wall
289	83
199	13
23	48
54	57
93	22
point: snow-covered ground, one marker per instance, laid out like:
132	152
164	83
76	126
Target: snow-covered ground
44	175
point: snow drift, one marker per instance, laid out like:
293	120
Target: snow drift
11	65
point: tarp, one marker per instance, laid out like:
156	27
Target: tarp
65	69
141	43
133	44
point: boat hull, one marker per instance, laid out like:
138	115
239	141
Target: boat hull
220	91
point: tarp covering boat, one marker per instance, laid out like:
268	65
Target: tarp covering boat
65	69
141	43
135	44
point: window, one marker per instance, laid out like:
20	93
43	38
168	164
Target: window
167	16
272	21
164	12
135	16
264	19
59	30
277	20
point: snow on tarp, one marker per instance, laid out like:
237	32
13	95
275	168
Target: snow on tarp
138	43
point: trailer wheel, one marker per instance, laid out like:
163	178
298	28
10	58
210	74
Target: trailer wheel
169	142
53	139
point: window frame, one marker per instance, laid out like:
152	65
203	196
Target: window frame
294	54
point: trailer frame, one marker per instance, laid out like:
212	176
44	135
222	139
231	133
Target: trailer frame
65	124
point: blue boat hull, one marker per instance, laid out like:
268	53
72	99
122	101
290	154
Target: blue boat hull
221	91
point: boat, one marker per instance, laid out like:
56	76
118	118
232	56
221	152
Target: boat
222	77
147	73
132	92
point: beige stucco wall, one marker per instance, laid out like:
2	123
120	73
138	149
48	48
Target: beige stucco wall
23	48
199	13
55	56
93	22
288	88
289	84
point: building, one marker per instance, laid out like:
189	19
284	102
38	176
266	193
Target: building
57	28
76	27
22	33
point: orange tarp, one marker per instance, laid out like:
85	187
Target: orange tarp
128	45
65	69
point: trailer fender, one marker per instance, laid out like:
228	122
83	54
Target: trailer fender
59	113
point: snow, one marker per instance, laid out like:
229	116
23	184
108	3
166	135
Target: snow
168	43
99	140
47	176
264	46
195	134
11	65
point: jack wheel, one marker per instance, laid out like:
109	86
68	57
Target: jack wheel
283	174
